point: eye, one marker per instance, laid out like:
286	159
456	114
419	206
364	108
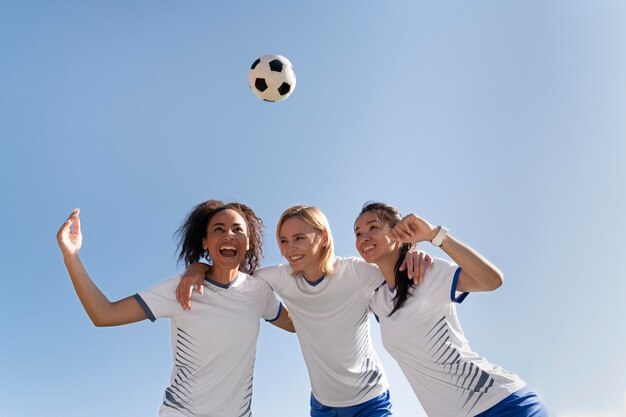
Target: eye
299	238
357	234
218	229
372	227
283	241
238	229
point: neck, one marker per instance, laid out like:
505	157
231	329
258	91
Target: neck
387	266
223	275
313	274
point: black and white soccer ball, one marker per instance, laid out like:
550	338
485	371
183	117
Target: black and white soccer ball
271	78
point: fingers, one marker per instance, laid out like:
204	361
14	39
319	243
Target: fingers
425	262
429	261
410	265
403	265
185	289
187	299
421	269
404	231
65	227
75	213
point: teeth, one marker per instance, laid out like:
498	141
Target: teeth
368	248
228	248
296	258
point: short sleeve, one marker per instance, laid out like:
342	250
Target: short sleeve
368	275
440	282
160	300
272	306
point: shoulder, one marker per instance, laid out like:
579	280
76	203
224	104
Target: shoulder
167	286
441	267
354	262
254	282
273	273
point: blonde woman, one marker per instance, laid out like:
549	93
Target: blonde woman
327	297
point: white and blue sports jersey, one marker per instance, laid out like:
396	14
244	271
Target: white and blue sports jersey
426	339
213	344
331	321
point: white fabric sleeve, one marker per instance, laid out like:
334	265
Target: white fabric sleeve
272	306
271	275
368	276
160	300
438	282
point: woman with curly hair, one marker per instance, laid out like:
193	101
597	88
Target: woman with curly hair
419	325
213	365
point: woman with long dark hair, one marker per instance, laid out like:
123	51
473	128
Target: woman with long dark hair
213	365
419	325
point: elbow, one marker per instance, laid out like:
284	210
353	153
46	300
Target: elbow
497	280
98	322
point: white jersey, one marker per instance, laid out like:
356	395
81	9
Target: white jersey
426	339
213	344
331	321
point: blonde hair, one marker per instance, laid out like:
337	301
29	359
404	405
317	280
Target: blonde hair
316	219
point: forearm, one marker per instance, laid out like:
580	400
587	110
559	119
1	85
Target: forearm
100	310
284	321
479	273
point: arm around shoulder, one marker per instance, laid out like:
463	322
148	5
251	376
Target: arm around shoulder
284	320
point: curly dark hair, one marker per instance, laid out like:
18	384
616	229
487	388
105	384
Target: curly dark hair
194	230
391	216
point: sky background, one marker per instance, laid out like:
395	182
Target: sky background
503	120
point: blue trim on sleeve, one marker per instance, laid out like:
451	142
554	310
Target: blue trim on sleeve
455	281
376	317
280	308
144	307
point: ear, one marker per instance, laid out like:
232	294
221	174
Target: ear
204	245
325	238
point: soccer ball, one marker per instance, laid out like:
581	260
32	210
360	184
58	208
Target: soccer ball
271	78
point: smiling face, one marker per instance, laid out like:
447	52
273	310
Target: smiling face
226	239
302	245
372	239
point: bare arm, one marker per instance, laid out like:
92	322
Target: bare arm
477	273
284	321
101	311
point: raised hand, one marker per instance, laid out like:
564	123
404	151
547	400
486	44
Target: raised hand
413	229
69	236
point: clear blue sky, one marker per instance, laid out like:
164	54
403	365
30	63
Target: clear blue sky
503	120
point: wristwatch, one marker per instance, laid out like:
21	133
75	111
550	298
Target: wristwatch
441	234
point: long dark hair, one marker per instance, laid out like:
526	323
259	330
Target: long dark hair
194	230
391	216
